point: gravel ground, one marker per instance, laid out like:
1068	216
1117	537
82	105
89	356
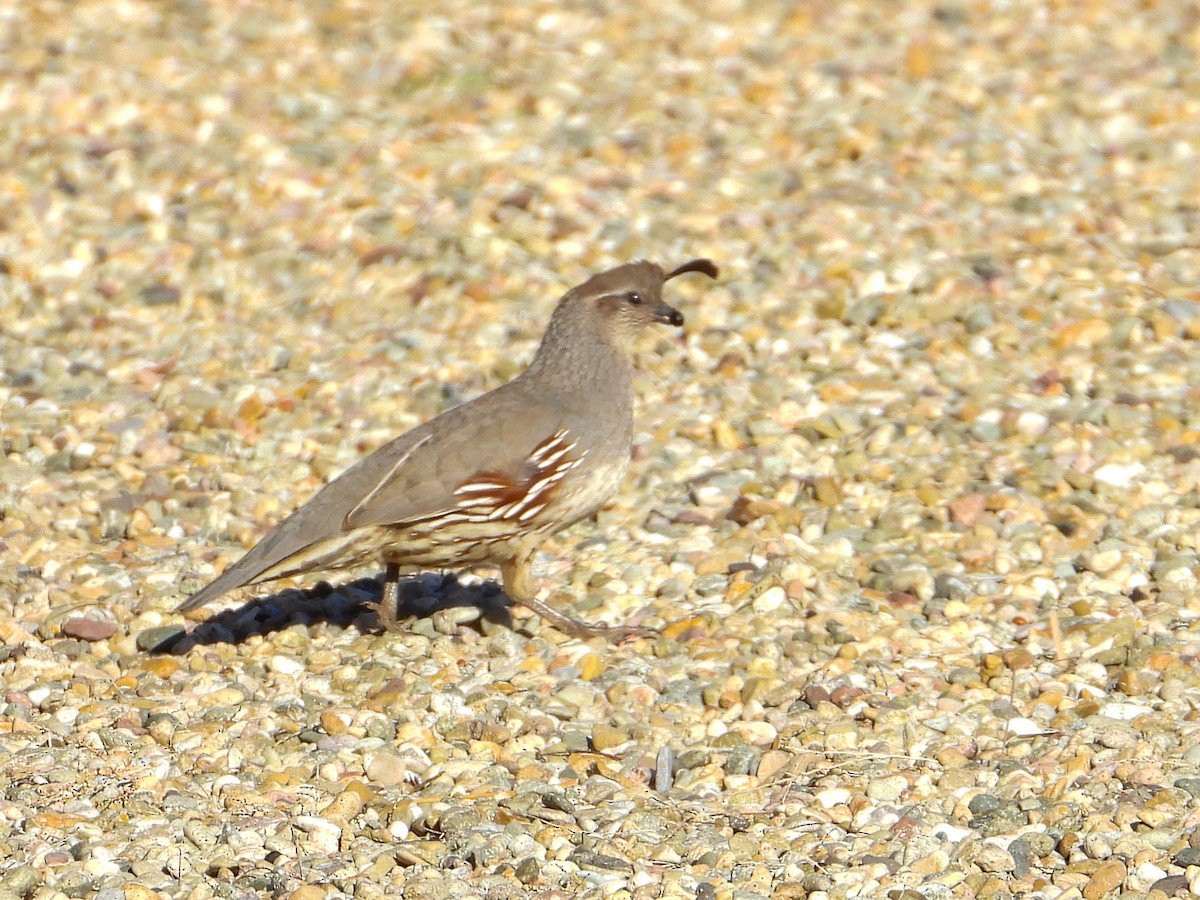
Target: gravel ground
916	500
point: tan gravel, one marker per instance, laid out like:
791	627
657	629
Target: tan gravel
916	502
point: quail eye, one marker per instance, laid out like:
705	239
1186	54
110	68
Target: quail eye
634	297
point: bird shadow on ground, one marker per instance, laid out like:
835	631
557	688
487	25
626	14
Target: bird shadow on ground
351	604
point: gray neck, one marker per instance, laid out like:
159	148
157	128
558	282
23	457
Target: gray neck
586	371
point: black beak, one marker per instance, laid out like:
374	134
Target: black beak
668	315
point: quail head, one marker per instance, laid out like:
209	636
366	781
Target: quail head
488	481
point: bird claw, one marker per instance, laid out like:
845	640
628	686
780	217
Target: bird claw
617	634
388	620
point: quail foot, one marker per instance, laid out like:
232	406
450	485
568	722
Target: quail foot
488	481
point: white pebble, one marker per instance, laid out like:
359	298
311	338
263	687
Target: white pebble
1098	845
839	546
887	789
286	665
831	797
1180	579
1032	424
1117	475
99	868
324	835
980	346
1123	711
952	833
1046	587
760	733
1144	875
1023	727
769	600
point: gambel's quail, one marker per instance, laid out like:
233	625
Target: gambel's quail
488	481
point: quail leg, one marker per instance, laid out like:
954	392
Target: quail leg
389	603
520	588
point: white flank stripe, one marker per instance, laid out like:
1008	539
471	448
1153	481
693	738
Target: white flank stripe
479	487
545	481
550	446
549	459
469	502
516	508
531	512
